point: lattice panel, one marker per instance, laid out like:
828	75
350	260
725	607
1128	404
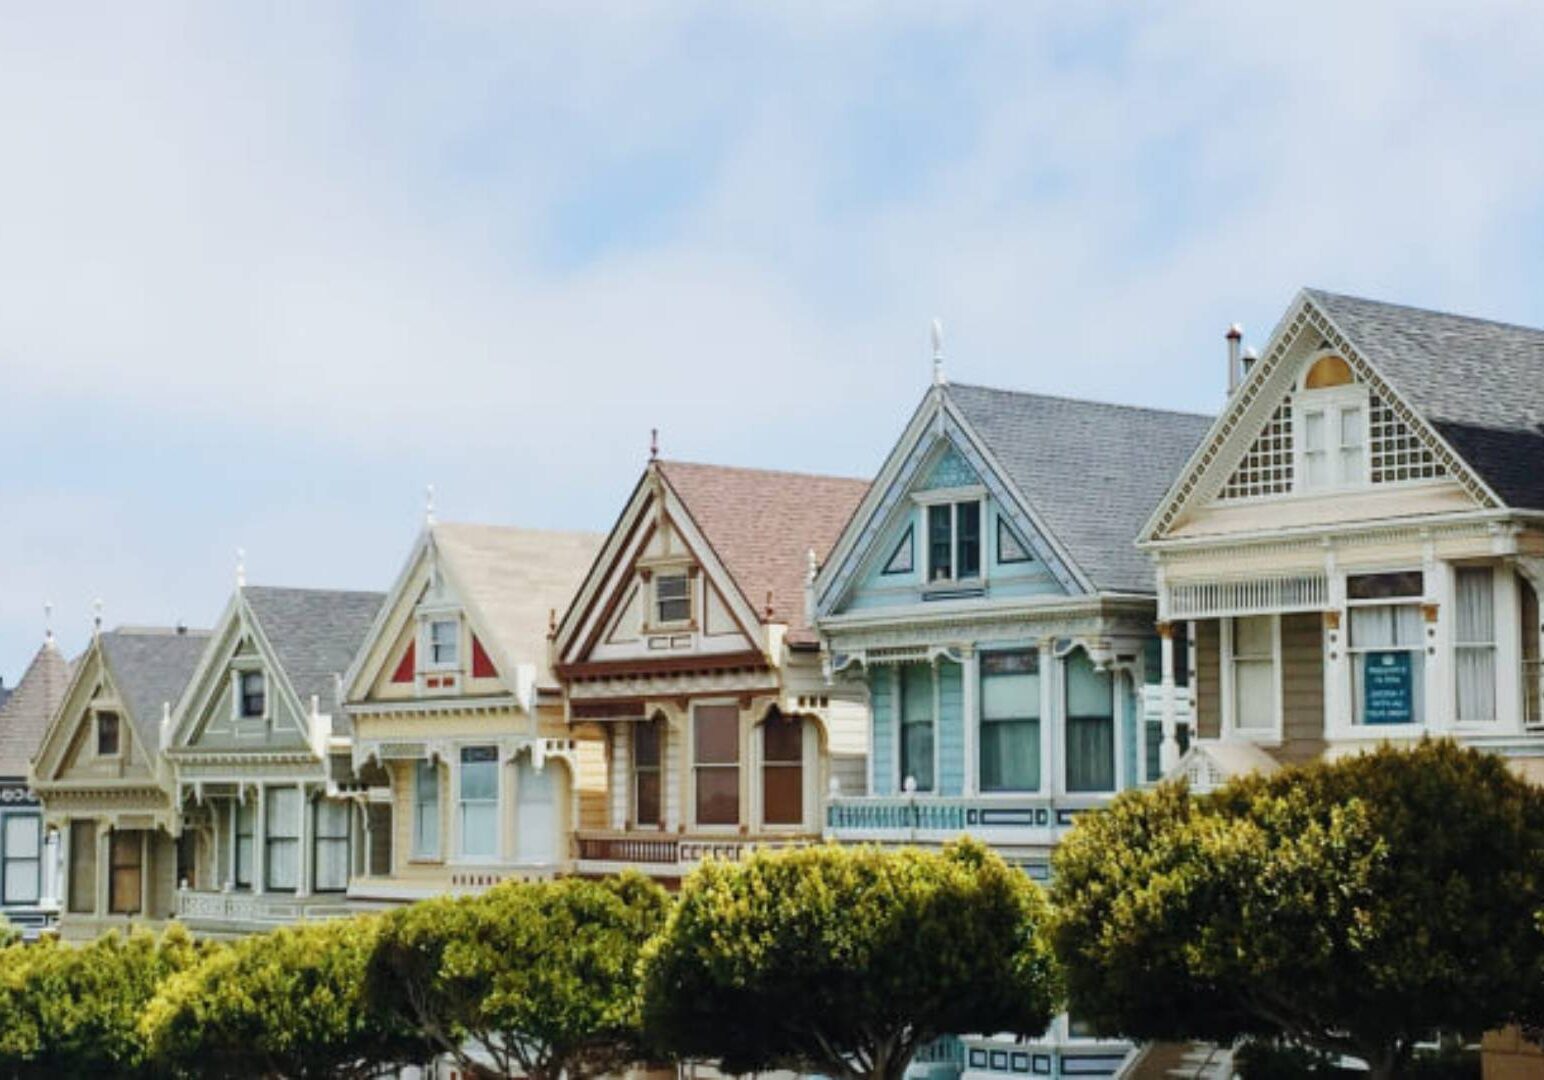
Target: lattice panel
1267	467
1397	452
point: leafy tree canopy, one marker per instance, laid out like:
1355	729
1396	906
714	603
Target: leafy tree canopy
843	961
288	1003
540	978
1355	906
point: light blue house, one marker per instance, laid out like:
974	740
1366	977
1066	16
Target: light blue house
989	595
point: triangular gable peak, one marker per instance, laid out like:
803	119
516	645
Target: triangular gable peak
1315	417
938	453
92	738
25	716
241	698
657	592
429	642
1210	763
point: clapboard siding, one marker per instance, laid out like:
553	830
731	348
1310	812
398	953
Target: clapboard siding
1208	678
1302	688
882	695
951	728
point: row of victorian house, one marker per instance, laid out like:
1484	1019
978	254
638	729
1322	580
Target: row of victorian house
1035	604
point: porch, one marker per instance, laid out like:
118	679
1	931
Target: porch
210	913
669	855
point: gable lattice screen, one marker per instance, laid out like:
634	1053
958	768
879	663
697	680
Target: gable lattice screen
1267	467
1397	452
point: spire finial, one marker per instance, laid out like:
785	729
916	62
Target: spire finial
429	505
48	621
241	568
654	444
96	615
938	353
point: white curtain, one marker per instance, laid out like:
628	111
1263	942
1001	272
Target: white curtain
1475	645
283	836
332	847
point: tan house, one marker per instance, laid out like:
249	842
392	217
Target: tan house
1355	551
689	645
104	784
451	696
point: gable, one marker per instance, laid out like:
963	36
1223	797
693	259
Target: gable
657	592
1280	457
210	716
68	751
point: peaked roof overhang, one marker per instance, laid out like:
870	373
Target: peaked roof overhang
1210	763
935	417
1268	380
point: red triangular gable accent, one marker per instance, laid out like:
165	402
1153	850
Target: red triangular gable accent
404	672
482	667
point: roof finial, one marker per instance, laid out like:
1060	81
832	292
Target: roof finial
48	622
241	568
938	353
552	622
96	616
429	505
654	444
769	605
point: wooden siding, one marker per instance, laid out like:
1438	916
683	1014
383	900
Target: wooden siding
1208	667
883	698
951	728
1302	688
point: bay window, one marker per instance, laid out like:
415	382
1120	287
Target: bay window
281	839
1387	658
954	541
716	763
647	737
1254	675
426	810
1010	721
21	860
330	855
1474	644
479	801
1090	703
917	725
782	770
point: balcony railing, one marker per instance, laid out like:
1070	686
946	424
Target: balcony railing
256	909
670	851
1028	819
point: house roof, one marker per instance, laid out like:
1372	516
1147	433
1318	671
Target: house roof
1480	384
762	525
150	666
1091	472
31	704
314	634
512	580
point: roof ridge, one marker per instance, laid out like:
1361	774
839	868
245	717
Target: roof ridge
132	630
312	589
758	471
1082	401
527	529
1316	293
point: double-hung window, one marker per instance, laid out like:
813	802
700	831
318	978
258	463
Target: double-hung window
479	801
917	725
254	698
126	856
1010	721
672	599
107	734
444	642
281	839
1254	675
246	816
1090	726
22	868
1474	644
716	763
1334	439
647	737
954	541
330	855
782	770
1387	657
426	810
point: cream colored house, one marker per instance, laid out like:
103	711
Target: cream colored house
1355	552
106	788
452	696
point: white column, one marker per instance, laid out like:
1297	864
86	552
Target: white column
145	872
970	709
56	855
303	874
1168	749
231	843
104	866
1509	650
260	841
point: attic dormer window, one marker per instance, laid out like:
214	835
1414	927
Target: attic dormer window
954	541
444	642
672	598
254	694
107	734
1332	417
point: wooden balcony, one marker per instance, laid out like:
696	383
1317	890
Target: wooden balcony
669	854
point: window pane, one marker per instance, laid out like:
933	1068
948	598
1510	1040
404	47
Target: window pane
939	544
783	739
444	640
21	881
1351	427
917	755
1403	583
83	859
244	860
331	865
479	773
1476	675
1252	636
1010	755
252	693
284	812
1313	431
1476	616
107	733
479	828
716	731
917	692
783	794
23	836
1254	688
331	819
672	594
1010	685
1088	691
967	524
718	796
646	744
646	787
283	864
1090	754
1372	627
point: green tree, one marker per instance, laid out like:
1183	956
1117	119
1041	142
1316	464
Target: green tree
70	1011
843	961
1356	906
288	1003
538	978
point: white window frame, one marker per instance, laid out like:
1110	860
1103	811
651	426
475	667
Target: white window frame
900	727
1332	402
953	497
6	858
238	704
319	840
422	852
1349	727
1230	729
430	662
462	801
739	765
1494	645
659	576
96	734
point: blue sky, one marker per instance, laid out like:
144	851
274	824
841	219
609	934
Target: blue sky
265	274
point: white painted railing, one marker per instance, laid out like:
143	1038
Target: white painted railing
1248	596
256	909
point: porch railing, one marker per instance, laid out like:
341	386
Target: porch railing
1029	819
197	905
673	850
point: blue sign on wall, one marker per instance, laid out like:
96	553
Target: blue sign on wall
1388	695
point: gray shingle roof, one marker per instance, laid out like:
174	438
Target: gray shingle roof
1091	472
150	667
1479	383
315	634
30	706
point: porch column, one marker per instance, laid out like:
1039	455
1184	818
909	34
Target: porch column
260	841
1052	770
232	842
1509	649
145	871
104	864
303	876
970	674
1168	749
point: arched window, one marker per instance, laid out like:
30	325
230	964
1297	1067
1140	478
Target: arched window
782	769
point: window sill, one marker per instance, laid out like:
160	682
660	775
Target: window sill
966	589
